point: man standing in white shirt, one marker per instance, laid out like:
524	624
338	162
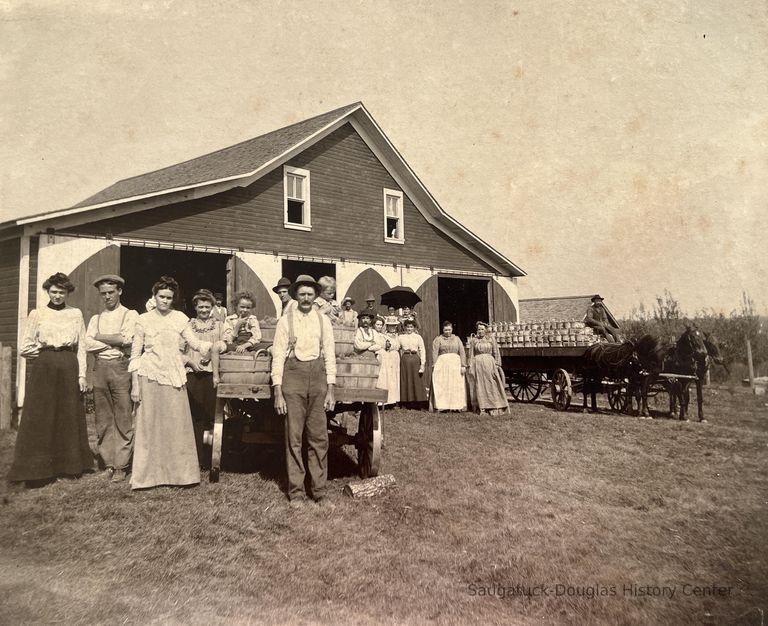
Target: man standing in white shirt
108	338
304	376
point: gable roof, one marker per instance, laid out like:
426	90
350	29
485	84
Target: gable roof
234	161
246	162
568	308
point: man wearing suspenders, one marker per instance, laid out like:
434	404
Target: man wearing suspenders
304	375
108	338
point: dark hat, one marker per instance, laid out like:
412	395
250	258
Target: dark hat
348	299
281	284
109	278
597	298
304	279
366	313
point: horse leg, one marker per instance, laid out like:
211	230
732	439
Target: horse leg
584	390
700	399
685	399
593	393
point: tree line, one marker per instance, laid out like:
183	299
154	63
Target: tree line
666	320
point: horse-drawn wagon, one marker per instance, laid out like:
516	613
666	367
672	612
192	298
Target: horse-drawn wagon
245	393
559	355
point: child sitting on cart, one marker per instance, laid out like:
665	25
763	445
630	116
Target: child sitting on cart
241	331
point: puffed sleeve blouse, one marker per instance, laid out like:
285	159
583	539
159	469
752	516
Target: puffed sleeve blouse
55	328
157	347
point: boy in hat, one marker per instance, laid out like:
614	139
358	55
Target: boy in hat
108	338
304	376
597	319
281	289
348	314
219	312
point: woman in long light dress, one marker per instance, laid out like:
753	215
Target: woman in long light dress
485	378
448	391
164	446
390	360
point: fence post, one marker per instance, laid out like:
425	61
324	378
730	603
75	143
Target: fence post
750	367
5	387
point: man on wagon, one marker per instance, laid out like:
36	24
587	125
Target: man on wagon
304	375
597	319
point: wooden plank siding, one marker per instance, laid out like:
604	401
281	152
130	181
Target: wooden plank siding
428	311
34	246
347	215
10	255
502	306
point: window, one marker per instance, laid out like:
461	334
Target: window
296	191
394	231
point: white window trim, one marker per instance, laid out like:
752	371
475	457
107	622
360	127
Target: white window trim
307	225
399	240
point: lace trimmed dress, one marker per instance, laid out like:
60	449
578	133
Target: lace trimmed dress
164	448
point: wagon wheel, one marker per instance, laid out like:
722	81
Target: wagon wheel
618	397
218	434
369	440
560	390
525	386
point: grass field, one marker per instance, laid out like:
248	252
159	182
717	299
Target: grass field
564	505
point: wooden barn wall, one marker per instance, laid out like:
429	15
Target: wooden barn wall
10	255
502	306
243	278
428	311
347	182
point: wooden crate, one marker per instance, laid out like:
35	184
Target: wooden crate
360	372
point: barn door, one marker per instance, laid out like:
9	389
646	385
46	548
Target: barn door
368	282
240	277
428	312
85	296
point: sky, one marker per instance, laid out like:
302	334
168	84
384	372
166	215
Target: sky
614	147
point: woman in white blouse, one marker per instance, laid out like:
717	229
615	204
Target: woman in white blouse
164	447
53	437
413	392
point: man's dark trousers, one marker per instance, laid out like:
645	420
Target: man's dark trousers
112	403
304	388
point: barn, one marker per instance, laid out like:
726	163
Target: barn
329	195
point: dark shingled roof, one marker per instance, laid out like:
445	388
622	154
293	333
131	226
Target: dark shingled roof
563	308
236	160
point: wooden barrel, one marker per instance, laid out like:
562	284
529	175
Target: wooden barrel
359	372
252	368
344	337
267	332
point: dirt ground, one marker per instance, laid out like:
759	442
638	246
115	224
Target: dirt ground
539	517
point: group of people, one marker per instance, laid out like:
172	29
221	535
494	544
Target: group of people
154	377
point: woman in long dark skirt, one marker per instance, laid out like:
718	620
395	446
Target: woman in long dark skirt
413	392
53	436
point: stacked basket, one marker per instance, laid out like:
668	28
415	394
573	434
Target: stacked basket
545	334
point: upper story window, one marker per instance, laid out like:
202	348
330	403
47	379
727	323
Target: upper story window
394	228
296	198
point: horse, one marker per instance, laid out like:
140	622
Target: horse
651	357
606	360
692	355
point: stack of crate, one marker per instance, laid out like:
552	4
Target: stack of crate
543	334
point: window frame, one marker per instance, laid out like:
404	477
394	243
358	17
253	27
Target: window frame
401	204
307	212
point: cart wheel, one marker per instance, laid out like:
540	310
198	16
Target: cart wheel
618	398
369	441
525	386
560	390
218	432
